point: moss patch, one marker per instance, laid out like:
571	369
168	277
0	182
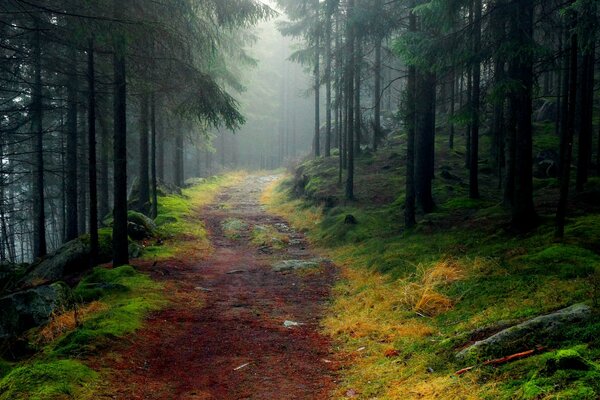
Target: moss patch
63	379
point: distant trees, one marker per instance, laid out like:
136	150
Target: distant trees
63	63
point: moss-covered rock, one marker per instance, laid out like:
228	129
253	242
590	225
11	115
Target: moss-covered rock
140	226
544	329
31	308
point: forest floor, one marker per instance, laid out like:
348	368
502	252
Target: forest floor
223	335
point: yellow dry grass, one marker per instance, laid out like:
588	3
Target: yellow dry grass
67	321
276	202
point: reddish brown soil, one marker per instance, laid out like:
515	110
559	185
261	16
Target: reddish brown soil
192	349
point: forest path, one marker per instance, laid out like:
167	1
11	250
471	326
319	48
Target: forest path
224	335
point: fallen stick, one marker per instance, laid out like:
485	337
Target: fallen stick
503	360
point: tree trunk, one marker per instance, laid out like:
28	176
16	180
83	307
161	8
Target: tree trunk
72	228
474	161
357	107
584	153
328	67
350	70
567	135
523	213
452	110
425	140
377	89
39	222
409	209
103	181
144	180
178	159
154	211
93	188
317	72
120	238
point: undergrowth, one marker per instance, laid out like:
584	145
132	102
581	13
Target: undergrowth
408	301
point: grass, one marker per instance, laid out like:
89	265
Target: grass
409	300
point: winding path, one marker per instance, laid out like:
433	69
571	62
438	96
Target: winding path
224	336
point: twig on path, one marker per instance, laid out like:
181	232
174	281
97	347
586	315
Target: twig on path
242	366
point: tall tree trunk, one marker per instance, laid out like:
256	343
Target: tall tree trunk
120	238
567	135
350	71
93	188
103	180
584	148
377	88
178	159
409	208
357	87
82	172
317	76
328	67
523	212
72	228
452	109
39	222
474	162
144	180
154	211
425	140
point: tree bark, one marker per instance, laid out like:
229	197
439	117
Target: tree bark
120	238
350	71
328	67
474	161
567	134
93	188
523	212
72	228
317	77
144	180
39	222
409	205
154	210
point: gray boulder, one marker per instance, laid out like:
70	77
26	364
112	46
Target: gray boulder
69	258
536	331
31	308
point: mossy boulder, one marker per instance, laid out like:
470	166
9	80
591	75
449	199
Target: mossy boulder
28	309
140	226
545	329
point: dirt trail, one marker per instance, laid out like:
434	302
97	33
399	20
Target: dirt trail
223	319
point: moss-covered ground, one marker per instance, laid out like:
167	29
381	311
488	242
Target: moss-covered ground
108	305
408	301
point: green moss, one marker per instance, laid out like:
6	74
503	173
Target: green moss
565	261
48	380
129	295
585	231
